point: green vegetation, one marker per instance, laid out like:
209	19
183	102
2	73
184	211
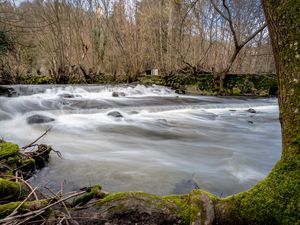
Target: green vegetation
8	149
92	192
9	189
203	84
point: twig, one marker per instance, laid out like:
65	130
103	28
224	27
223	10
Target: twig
39	211
57	153
28	196
29	186
32	143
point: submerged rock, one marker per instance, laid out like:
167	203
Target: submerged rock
133	112
251	110
185	186
66	95
37	119
115	114
118	94
7	91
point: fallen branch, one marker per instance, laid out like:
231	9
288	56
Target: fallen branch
39	211
33	143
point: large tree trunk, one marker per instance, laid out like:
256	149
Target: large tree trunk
283	18
275	200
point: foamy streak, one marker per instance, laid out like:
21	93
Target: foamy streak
93	90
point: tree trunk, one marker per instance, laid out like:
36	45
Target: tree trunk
275	200
283	18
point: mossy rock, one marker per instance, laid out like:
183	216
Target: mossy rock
8	208
8	149
275	200
144	208
92	192
12	160
10	190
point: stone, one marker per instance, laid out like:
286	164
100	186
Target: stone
118	94
67	95
251	110
115	114
38	119
7	91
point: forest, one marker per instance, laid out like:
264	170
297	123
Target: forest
93	41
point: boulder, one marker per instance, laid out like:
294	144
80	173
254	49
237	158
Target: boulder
37	119
7	91
118	94
115	114
67	95
133	112
251	110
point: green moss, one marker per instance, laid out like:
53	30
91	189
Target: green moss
10	189
187	207
8	208
40	79
27	165
236	91
8	149
92	192
275	200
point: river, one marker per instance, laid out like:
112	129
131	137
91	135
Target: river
155	140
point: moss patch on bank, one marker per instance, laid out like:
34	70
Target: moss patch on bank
275	200
195	207
203	84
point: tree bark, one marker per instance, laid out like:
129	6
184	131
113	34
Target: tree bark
275	200
284	26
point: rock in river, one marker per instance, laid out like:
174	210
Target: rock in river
115	114
118	94
7	91
251	110
37	119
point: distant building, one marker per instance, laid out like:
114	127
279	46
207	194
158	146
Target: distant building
154	72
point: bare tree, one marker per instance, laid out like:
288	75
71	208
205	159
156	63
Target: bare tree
237	40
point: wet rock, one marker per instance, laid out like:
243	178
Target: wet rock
66	95
7	91
251	110
133	112
179	91
118	94
115	114
38	119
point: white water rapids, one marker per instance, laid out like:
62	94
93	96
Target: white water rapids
164	143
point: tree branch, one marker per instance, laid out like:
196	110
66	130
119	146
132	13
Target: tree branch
260	29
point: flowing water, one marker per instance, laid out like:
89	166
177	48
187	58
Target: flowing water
161	143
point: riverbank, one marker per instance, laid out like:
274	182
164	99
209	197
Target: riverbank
203	84
200	84
94	206
275	203
23	204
